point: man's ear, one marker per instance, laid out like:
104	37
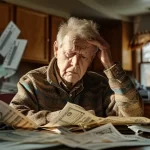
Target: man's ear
55	48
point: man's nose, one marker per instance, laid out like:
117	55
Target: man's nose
75	60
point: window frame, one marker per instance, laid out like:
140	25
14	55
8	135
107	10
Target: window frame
140	66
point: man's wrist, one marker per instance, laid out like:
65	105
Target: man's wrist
109	65
115	72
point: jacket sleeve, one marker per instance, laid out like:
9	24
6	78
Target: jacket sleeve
126	100
26	102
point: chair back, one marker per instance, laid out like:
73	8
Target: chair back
7	97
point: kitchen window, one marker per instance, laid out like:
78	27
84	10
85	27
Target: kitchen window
145	65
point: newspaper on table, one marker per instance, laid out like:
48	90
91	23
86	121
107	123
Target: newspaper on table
14	118
105	136
105	133
28	136
20	139
71	114
138	129
102	137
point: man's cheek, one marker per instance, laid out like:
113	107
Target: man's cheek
62	70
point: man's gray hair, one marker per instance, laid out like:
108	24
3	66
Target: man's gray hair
82	28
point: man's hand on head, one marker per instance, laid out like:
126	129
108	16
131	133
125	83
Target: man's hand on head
103	54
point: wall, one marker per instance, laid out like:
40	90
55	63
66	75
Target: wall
142	23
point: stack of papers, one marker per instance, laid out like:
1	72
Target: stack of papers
70	115
92	133
102	137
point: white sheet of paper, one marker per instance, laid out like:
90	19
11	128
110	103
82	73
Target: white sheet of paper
9	35
72	114
10	72
14	56
140	128
102	137
103	134
97	146
3	71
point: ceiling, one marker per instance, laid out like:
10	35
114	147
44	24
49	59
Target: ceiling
95	9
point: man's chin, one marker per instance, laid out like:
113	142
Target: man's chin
72	80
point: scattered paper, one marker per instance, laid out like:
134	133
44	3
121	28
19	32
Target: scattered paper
14	56
9	35
101	137
3	71
11	50
72	114
14	118
28	136
140	128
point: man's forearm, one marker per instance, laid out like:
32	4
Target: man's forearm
127	99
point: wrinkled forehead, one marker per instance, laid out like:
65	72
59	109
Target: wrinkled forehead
71	41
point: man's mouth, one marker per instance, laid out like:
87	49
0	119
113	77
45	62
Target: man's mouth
71	72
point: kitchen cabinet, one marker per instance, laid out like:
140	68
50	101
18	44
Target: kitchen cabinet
34	27
40	30
55	23
118	34
6	15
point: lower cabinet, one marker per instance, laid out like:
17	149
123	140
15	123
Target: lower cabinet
54	25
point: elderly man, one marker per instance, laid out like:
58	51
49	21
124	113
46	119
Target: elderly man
43	92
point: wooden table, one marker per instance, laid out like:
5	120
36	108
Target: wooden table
118	148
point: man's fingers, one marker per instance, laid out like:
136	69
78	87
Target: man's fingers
102	45
95	43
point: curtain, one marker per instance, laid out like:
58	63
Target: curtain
139	40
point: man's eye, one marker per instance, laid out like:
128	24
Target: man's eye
69	55
83	56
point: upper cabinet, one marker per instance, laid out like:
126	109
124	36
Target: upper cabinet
55	23
34	27
40	30
6	15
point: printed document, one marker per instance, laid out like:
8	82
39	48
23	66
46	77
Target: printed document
11	50
14	118
9	35
71	114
